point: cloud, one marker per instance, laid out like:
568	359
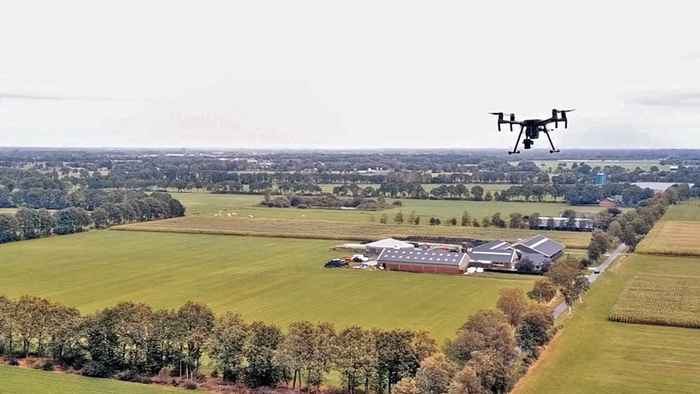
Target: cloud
32	97
668	99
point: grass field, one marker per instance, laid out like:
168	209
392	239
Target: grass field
320	229
676	233
672	300
277	280
327	187
15	380
243	205
594	355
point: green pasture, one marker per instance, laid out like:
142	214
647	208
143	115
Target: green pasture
594	355
685	211
248	205
271	279
14	380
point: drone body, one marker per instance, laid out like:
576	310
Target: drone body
533	128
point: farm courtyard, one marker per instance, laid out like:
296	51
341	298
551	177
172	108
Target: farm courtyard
272	279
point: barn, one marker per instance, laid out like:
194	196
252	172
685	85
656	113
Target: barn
539	244
494	255
417	260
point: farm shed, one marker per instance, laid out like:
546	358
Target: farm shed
494	255
423	261
376	247
539	244
583	224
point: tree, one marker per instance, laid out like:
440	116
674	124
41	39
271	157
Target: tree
29	223
435	221
434	374
452	221
543	290
384	219
196	323
71	220
477	192
406	386
357	355
484	330
466	219
9	228
513	303
398	219
411	218
535	329
226	344
497	221
262	344
466	382
516	220
100	218
488	196
533	220
396	356
598	246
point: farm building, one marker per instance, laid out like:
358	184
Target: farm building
554	223
376	247
540	245
496	255
415	260
608	203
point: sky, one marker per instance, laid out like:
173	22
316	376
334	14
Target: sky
346	74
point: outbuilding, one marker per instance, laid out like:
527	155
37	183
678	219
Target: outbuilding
494	255
376	247
416	260
539	244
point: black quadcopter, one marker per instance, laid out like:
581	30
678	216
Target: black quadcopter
533	127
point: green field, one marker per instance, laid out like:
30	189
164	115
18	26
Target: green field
676	233
277	280
594	355
15	380
328	187
248	205
672	300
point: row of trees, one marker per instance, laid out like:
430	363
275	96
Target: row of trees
28	223
131	341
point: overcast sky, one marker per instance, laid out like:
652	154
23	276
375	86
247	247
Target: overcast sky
331	74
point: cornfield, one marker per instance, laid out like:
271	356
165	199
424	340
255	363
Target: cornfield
668	300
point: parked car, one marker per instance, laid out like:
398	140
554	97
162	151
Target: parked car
335	263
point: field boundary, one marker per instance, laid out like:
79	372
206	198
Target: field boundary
242	233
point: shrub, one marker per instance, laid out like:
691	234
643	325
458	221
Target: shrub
190	385
12	361
96	370
47	365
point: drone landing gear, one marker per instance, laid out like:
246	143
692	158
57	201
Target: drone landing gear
553	150
515	148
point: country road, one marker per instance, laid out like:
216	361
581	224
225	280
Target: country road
561	308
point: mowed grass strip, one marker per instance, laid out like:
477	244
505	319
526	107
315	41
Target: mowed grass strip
669	300
15	380
319	229
594	355
678	238
271	279
685	211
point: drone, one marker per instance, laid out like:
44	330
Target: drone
533	127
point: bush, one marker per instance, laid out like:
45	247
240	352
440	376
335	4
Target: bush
13	362
96	370
190	385
47	365
397	203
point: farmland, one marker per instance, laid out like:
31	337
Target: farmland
277	280
30	381
628	164
321	229
676	233
672	300
238	204
594	355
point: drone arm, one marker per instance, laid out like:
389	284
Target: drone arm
517	142
550	142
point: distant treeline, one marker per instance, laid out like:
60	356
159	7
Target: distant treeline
107	208
328	201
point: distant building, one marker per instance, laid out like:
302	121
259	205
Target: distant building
600	179
608	203
562	223
541	245
417	260
377	247
494	255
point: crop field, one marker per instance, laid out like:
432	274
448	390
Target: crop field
669	300
271	279
15	380
676	233
594	355
320	229
248	205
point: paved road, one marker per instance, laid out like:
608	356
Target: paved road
561	308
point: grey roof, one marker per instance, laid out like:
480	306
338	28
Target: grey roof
389	243
494	251
420	257
541	245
